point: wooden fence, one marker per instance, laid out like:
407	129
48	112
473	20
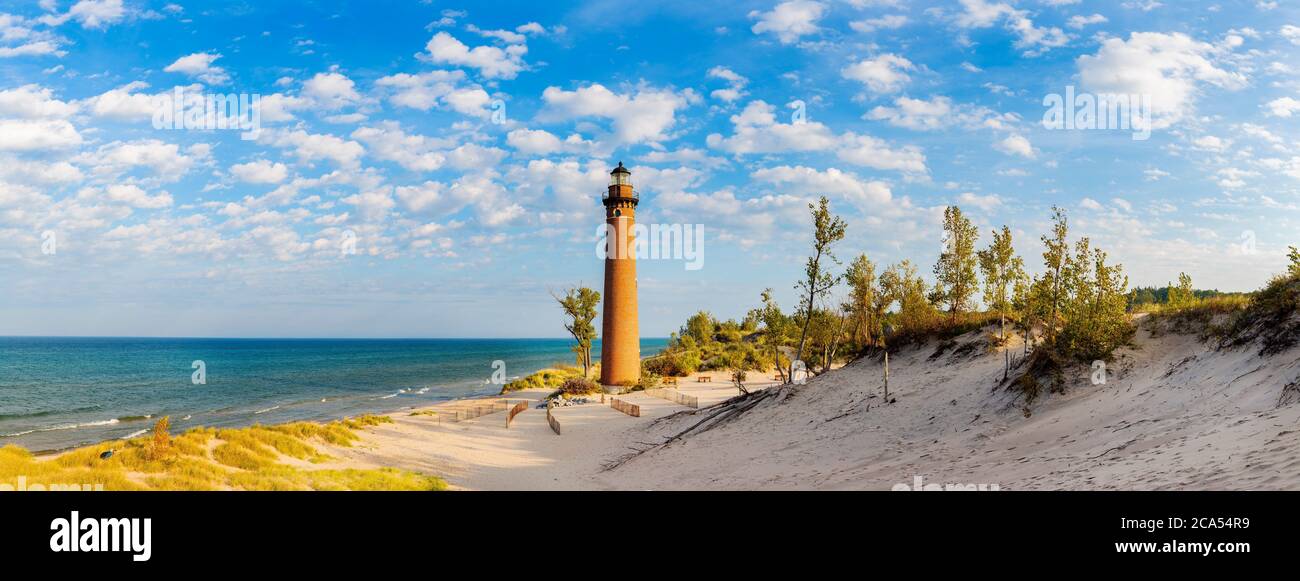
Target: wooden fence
460	411
550	419
675	396
514	411
630	409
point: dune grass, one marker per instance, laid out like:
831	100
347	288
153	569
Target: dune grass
252	458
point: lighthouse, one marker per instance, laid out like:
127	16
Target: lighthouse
620	345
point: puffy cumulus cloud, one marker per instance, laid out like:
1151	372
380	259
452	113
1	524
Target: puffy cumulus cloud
568	188
124	102
260	172
1283	107
939	112
472	156
886	73
861	193
200	66
311	147
437	89
987	203
757	131
1032	39
790	20
167	161
93	14
641	115
136	197
413	152
1169	67
20	38
492	62
34	171
735	84
331	91
33	102
873	152
38	135
1016	145
372	206
540	142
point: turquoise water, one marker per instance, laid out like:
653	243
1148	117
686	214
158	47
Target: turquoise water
59	392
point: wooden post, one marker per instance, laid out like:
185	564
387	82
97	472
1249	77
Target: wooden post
886	377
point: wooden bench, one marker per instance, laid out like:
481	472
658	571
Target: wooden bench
704	379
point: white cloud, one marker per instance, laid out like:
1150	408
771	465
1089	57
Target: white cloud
309	147
987	203
90	14
199	66
442	89
1283	107
33	102
807	181
889	21
1168	67
123	102
413	152
37	135
645	115
873	152
789	20
260	172
492	62
133	196
1079	21
1016	145
883	74
165	160
331	91
735	84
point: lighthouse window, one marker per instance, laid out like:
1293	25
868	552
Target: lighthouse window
618	212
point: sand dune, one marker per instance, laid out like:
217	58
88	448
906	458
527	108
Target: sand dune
1173	414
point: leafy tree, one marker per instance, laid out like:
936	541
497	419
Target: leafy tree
864	304
700	327
827	230
1002	269
1294	269
1095	314
1181	296
579	304
776	329
954	274
739	359
1051	290
900	283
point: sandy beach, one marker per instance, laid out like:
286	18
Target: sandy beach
1174	414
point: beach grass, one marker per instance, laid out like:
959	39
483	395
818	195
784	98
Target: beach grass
252	458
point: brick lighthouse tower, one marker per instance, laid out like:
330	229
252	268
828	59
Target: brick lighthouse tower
620	345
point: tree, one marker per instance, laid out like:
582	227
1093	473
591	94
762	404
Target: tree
1094	313
1020	306
579	304
740	359
900	283
1294	269
828	229
865	314
1056	258
954	274
700	327
1002	269
1181	296
776	326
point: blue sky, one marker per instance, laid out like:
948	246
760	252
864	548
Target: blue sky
464	147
